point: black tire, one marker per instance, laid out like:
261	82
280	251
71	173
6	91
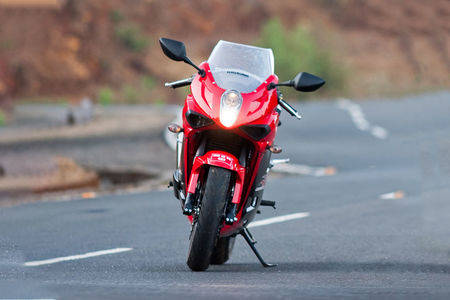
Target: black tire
205	229
222	251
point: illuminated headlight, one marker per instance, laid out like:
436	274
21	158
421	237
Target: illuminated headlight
230	105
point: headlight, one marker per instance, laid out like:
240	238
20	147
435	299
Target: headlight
230	105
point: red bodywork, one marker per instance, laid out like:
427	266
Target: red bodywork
258	108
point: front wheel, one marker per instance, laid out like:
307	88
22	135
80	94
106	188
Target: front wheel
222	251
207	225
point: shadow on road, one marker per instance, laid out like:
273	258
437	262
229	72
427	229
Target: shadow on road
394	267
332	266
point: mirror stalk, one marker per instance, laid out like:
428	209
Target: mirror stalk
284	83
201	72
176	51
303	82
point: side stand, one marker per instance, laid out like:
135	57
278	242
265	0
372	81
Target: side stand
251	242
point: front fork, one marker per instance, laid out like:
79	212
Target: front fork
179	149
220	159
177	181
217	158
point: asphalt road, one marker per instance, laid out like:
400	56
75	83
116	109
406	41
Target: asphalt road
355	243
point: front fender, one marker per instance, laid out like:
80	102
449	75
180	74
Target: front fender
219	159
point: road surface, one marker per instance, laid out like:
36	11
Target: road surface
379	227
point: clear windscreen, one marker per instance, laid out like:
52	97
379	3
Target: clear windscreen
240	67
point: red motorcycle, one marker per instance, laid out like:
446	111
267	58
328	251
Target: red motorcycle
224	147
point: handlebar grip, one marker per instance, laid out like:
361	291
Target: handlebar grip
180	83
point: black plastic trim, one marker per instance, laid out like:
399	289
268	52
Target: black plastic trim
194	117
256	132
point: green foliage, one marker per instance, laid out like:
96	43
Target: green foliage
63	101
105	96
116	16
130	94
148	82
6	45
297	50
159	102
131	36
2	118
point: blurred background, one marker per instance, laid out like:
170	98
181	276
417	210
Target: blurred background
81	81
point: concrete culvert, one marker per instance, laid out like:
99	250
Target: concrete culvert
123	176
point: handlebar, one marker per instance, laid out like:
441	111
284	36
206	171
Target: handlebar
179	83
292	111
187	81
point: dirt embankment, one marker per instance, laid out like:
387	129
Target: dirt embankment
81	45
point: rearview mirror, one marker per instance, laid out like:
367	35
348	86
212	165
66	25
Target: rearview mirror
176	50
173	49
305	82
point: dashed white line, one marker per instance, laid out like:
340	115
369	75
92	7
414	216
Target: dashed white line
379	132
268	221
279	219
75	257
360	120
393	195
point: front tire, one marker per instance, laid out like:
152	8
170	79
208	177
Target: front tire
222	251
206	228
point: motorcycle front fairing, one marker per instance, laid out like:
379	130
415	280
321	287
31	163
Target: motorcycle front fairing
256	104
244	144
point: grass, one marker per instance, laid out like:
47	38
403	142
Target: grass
58	100
130	94
159	102
2	118
297	50
138	91
105	96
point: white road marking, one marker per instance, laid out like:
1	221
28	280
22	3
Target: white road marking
360	120
279	219
379	132
393	195
303	170
75	257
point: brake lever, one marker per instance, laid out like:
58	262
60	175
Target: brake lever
292	111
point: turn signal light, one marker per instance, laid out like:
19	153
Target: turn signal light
175	128
275	149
